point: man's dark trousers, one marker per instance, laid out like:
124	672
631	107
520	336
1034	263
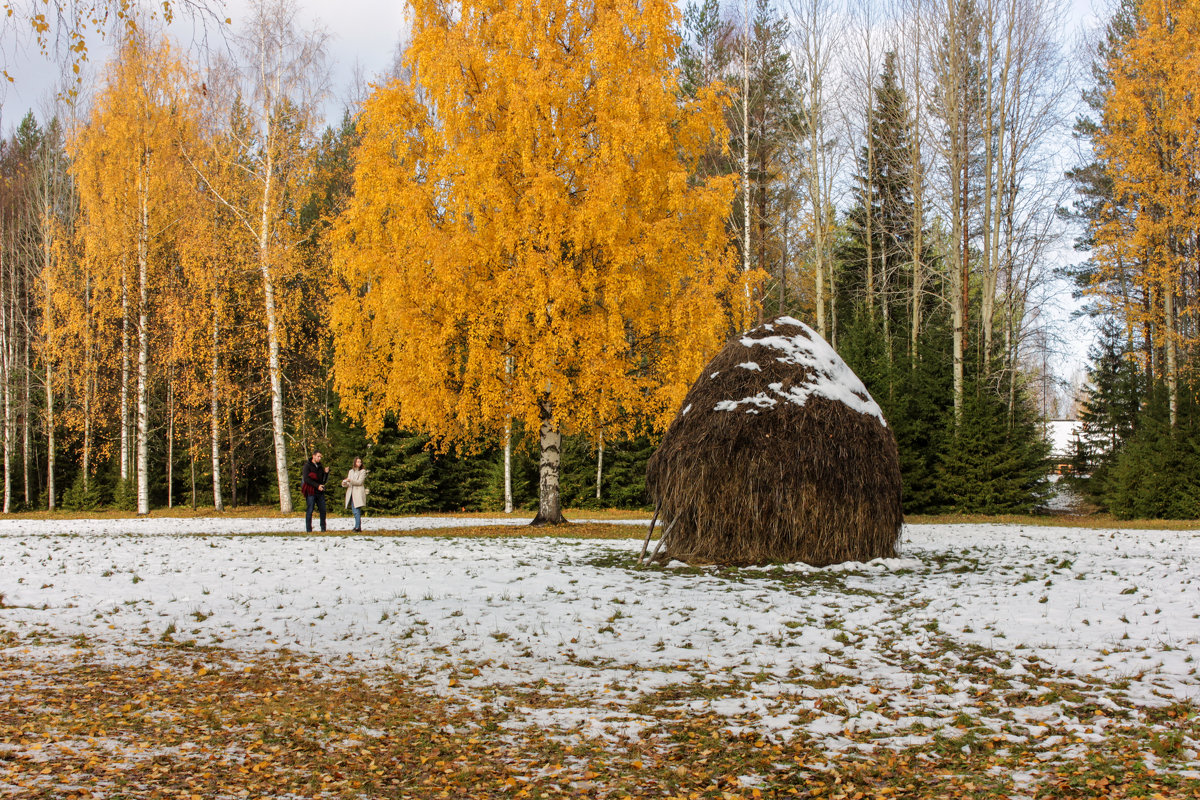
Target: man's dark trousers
317	499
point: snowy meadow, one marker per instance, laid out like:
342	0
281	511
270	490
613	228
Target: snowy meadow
1006	657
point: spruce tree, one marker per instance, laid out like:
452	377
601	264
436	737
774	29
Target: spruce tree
1156	473
1110	410
992	466
401	475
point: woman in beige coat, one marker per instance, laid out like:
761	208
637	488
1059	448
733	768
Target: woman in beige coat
356	491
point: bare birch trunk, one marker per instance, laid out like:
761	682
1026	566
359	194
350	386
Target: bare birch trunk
599	463
918	227
215	419
124	372
951	82
48	334
27	411
1169	325
192	453
746	146
51	499
89	386
6	376
170	441
508	496
959	322
549	504
143	335
273	367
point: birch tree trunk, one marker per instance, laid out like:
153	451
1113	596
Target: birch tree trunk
6	376
746	145
214	418
48	356
917	181
124	371
508	496
51	499
1169	332
89	385
143	335
273	368
27	410
171	441
599	463
192	453
954	112
549	505
816	24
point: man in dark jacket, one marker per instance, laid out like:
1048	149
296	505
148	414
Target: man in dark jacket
313	488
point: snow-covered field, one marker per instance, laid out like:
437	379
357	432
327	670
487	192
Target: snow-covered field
1079	628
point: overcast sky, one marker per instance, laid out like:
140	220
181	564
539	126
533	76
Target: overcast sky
362	33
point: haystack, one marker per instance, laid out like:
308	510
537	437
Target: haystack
779	454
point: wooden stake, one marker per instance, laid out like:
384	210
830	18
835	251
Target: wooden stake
663	538
649	533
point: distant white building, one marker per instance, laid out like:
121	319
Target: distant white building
1063	436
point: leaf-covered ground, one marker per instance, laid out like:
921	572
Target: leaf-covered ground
189	723
989	661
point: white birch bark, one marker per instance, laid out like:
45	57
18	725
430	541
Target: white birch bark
51	496
47	223
170	441
274	371
124	401
143	335
1169	333
508	494
746	146
815	41
214	418
6	377
599	463
26	410
549	503
89	384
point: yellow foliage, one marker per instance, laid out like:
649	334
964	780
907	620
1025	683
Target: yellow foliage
526	223
133	189
1150	143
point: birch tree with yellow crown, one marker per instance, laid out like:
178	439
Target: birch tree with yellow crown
527	238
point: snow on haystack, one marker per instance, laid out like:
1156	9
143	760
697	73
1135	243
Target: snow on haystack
827	375
781	454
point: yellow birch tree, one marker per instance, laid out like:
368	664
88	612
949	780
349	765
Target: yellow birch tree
132	181
526	239
1150	144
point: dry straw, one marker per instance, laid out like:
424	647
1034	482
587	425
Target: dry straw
817	482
